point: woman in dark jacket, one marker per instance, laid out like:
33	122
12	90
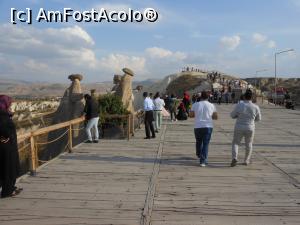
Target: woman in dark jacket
9	155
182	114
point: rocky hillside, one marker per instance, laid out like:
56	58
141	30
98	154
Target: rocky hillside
191	81
267	84
184	83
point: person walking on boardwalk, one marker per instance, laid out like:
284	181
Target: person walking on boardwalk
204	113
246	114
91	111
226	95
9	155
158	107
149	118
167	100
219	94
173	107
232	97
186	101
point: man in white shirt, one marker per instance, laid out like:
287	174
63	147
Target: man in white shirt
158	107
246	114
148	109
204	113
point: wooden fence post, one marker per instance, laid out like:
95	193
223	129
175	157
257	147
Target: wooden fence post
33	155
70	139
132	124
128	127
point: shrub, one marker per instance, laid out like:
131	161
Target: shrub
111	104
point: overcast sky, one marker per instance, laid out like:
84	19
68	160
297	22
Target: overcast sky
236	37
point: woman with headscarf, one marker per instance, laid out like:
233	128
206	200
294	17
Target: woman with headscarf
9	155
182	113
186	101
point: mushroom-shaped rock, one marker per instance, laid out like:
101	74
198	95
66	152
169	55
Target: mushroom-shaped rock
73	77
128	71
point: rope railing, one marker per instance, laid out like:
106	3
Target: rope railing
24	147
78	129
34	144
52	141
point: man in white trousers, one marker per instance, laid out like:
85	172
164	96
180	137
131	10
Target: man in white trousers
246	114
91	111
158	107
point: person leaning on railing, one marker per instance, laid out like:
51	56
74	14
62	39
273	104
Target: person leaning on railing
9	155
91	111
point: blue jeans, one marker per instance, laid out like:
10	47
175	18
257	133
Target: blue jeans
92	123
202	136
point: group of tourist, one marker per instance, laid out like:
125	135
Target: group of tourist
178	108
192	69
153	109
245	112
156	107
219	95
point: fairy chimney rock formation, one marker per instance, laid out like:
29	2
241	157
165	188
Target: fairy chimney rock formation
71	105
123	88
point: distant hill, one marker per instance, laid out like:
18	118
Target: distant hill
23	89
145	83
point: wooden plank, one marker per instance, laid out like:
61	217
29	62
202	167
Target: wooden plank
146	215
118	182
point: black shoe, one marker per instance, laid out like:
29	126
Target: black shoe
96	141
88	141
153	137
233	163
147	138
156	131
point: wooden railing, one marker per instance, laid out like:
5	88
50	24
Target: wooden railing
32	136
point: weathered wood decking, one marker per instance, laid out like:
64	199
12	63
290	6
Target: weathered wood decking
159	181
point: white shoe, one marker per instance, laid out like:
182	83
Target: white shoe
202	165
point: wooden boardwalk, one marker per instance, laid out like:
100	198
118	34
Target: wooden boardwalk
159	181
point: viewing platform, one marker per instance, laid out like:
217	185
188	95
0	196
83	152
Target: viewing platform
160	182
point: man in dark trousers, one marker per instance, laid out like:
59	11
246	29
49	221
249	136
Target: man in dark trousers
204	113
149	118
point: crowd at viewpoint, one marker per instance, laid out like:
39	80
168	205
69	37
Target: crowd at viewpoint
198	106
204	112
